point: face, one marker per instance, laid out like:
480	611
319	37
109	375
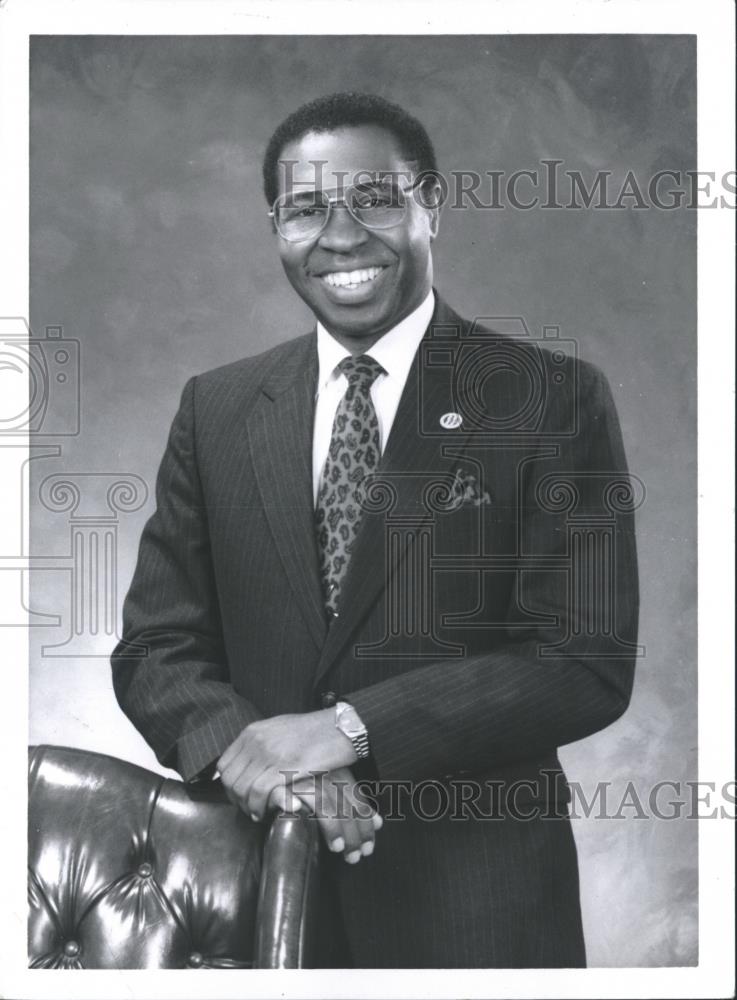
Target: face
396	263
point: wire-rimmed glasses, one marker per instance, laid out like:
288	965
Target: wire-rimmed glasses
303	215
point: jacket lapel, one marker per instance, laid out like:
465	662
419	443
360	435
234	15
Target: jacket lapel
280	437
418	453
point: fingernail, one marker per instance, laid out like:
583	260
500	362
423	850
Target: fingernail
377	821
337	845
367	847
353	857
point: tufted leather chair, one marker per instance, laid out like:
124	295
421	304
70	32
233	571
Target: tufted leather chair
131	870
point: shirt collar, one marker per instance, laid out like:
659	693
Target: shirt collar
394	351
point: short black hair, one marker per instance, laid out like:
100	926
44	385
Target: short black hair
344	110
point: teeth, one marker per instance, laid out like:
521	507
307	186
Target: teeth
351	279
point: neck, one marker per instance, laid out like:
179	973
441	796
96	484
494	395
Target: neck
360	343
356	345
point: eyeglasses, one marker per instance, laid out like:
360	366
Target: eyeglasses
304	215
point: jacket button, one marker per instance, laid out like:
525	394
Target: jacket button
328	699
71	949
195	960
145	870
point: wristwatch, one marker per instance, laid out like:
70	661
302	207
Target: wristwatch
349	723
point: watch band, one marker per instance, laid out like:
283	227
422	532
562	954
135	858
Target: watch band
355	730
361	744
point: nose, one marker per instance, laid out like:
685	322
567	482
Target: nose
342	232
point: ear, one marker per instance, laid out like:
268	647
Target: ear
434	221
431	194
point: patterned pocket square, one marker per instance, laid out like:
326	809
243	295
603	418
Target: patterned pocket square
466	491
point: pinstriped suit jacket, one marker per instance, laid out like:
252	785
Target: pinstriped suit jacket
489	616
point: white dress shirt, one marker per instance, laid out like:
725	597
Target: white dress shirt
395	352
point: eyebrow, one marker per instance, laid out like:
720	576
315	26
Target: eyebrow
303	197
305	194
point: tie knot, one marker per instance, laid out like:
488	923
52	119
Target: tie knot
362	371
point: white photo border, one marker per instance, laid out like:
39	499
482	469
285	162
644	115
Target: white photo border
712	22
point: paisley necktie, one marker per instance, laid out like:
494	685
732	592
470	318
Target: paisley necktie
355	450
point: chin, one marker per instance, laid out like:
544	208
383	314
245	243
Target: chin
351	324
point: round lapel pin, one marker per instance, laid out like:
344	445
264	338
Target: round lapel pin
451	420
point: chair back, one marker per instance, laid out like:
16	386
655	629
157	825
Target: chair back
131	870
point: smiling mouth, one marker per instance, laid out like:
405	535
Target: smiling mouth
351	279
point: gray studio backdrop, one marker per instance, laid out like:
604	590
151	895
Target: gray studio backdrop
150	247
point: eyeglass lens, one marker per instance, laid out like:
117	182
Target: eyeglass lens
301	215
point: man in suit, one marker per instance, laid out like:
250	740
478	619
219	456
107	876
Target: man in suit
388	550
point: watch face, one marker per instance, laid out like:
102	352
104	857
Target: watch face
348	722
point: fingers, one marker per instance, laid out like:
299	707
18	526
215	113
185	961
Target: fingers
248	787
250	770
282	799
232	766
230	753
348	823
343	837
258	794
367	819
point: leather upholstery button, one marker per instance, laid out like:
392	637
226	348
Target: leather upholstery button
195	960
328	699
145	869
71	949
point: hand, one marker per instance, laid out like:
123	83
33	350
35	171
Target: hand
348	821
272	753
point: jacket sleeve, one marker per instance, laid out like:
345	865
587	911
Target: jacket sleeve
170	672
517	701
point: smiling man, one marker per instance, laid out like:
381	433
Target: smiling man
360	567
359	280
